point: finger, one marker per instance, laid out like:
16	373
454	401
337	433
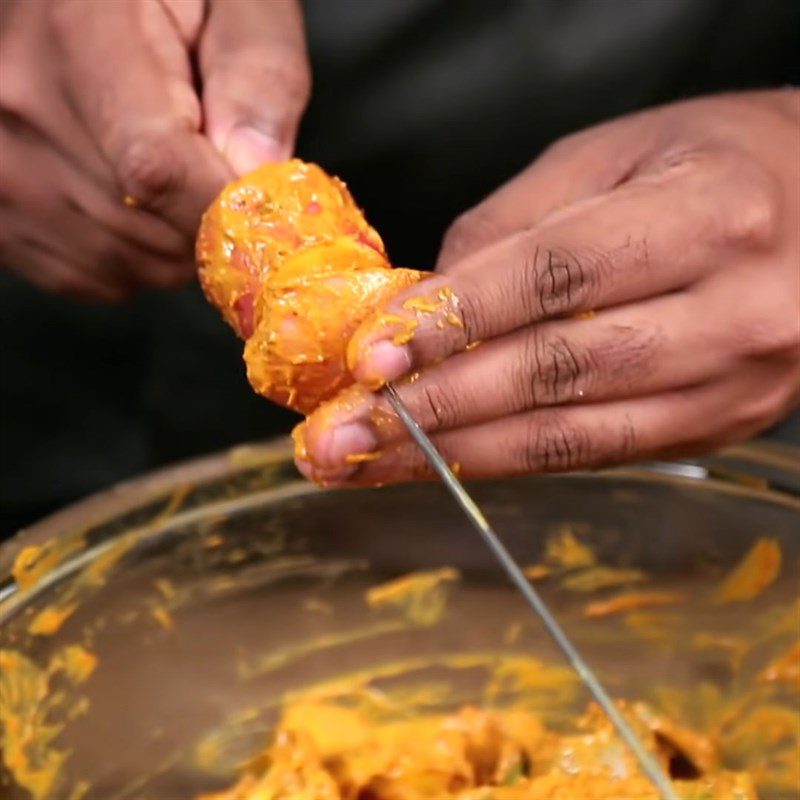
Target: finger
143	117
69	236
565	438
133	226
145	270
113	245
84	206
33	106
51	272
636	242
113	260
256	79
633	350
109	268
116	260
575	168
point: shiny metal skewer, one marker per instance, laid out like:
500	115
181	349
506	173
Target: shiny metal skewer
650	766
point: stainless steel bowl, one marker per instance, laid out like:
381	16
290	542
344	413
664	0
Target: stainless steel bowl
209	591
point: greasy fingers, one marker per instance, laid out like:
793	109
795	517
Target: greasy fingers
660	317
563	438
656	235
634	350
296	355
256	79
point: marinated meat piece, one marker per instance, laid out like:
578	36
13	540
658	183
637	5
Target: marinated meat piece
289	260
754	573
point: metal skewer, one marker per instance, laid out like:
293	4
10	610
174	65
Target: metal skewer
649	765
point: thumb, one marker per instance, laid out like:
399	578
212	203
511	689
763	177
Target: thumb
256	79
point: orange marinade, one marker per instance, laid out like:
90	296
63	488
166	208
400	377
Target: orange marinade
289	260
326	751
630	602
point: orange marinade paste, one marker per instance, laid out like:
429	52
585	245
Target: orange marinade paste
289	260
326	751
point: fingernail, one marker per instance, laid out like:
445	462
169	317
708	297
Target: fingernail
304	467
323	477
383	361
334	446
248	148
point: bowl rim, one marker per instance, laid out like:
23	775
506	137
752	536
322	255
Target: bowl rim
747	468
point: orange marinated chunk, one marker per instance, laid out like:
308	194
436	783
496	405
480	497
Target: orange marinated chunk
754	573
287	257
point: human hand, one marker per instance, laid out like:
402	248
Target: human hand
109	150
636	293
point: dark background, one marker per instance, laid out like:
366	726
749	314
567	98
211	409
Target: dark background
423	107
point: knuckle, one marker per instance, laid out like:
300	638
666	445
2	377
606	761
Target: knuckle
774	335
556	443
753	221
759	411
553	369
468	232
749	214
626	444
474	311
524	372
553	444
557	280
148	171
567	366
440	410
15	92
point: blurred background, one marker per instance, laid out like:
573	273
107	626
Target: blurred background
423	107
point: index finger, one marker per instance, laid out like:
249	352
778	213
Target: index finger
143	116
637	241
582	165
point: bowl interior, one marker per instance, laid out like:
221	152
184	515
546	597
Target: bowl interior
204	617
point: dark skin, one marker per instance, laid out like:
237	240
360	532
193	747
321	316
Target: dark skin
108	135
677	229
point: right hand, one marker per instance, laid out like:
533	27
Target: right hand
109	153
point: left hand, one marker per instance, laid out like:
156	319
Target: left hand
636	293
120	120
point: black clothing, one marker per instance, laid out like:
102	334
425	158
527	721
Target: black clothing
442	100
